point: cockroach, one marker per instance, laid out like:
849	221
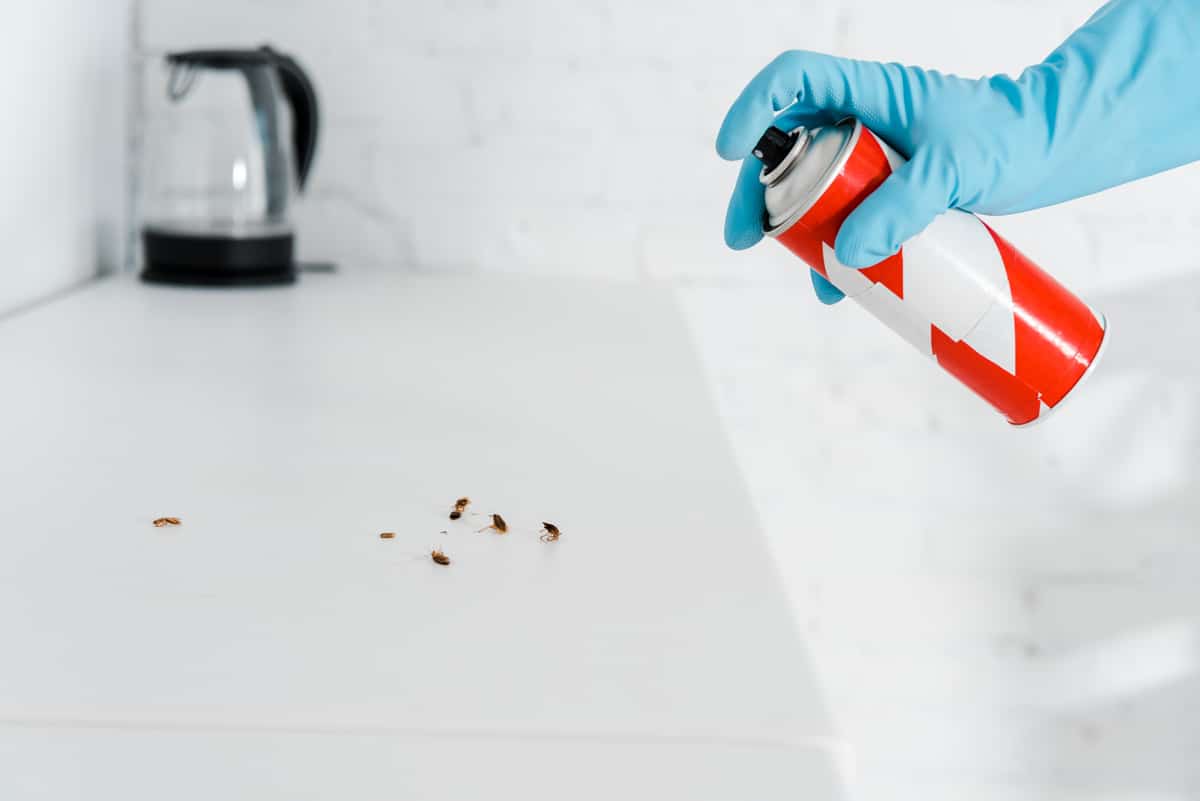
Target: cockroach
387	535
498	525
166	521
438	557
460	506
550	532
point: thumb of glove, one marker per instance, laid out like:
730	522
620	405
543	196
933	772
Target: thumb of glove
903	205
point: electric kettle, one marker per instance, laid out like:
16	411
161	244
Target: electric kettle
223	164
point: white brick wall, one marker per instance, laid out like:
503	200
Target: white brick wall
577	136
63	70
545	136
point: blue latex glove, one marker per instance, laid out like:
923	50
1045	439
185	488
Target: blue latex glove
1118	100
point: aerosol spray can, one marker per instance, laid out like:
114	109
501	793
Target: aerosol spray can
959	292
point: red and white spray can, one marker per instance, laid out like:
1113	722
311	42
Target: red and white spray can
957	291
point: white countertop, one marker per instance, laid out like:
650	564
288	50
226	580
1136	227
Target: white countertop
274	647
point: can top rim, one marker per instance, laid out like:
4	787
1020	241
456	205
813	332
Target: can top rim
800	206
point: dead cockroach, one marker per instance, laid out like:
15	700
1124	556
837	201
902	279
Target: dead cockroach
550	532
167	521
460	506
438	557
498	525
387	535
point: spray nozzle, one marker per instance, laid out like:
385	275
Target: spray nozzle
773	147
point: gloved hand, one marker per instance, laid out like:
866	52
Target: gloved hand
1118	100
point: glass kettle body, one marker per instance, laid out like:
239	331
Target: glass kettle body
223	162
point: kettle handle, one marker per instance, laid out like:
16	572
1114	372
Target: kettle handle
302	97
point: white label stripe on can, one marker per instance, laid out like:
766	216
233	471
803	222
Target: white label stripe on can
852	282
953	273
898	316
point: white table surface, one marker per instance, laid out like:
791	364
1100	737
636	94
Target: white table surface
274	647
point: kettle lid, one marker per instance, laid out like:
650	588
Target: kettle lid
223	58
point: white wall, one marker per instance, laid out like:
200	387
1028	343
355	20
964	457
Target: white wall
577	135
62	144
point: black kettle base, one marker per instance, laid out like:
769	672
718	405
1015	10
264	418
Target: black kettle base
185	276
185	259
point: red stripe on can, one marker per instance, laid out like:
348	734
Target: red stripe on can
1057	334
1007	394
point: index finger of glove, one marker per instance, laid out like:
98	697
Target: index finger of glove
818	83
